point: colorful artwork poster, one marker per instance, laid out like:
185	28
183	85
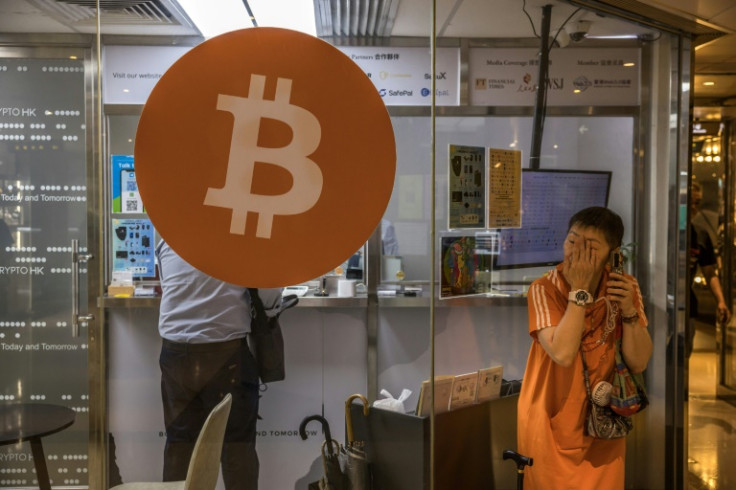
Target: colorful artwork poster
462	265
467	190
124	188
133	247
504	188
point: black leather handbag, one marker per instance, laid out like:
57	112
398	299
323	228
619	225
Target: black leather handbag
266	341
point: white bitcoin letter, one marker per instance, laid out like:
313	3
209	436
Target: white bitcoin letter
245	152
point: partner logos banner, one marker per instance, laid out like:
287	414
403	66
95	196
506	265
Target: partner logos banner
578	76
402	75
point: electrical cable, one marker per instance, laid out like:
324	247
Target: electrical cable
523	9
250	13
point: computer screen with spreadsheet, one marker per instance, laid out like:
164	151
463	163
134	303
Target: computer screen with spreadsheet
548	199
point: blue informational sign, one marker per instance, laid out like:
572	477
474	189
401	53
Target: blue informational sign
133	247
124	189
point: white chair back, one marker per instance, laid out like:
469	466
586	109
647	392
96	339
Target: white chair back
204	466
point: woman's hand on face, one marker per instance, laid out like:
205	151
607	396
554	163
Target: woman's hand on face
621	290
579	266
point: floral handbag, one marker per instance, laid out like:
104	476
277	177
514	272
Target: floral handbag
629	395
602	422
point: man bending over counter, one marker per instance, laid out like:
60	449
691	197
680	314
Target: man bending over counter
204	324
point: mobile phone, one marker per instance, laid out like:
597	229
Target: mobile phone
617	262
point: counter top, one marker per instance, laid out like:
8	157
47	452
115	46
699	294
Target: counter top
360	301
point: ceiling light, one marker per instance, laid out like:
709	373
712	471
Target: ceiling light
709	84
216	17
630	63
297	15
613	36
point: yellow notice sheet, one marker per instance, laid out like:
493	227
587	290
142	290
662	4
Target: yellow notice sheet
504	188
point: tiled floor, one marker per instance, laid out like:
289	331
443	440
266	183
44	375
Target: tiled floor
712	423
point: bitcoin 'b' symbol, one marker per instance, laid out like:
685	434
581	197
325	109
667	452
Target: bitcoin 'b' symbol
245	152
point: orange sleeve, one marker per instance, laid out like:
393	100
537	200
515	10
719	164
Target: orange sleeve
545	307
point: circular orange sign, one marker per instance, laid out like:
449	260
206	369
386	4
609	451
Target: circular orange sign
265	157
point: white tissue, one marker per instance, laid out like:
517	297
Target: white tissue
391	403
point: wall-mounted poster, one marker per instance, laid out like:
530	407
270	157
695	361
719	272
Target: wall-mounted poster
133	247
504	188
467	187
125	195
466	263
458	266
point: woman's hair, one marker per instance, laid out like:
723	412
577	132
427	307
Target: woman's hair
603	219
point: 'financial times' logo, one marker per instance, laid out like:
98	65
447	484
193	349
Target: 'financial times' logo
581	83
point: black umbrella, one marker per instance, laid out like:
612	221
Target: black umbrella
333	479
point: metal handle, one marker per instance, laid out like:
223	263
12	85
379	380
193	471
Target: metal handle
76	317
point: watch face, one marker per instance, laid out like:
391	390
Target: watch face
582	297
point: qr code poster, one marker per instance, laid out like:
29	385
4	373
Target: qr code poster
124	189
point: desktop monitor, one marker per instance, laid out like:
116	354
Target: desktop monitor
549	199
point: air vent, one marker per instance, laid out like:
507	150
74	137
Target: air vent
80	13
355	18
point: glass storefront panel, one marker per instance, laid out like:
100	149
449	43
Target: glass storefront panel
335	347
43	209
726	337
570	143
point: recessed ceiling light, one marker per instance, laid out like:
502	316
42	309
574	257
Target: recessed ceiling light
709	84
630	63
215	17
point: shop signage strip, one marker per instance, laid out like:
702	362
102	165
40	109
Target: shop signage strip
402	75
580	76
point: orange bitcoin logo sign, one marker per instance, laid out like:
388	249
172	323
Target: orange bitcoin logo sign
265	157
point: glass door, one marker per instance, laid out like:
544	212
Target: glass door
44	154
727	335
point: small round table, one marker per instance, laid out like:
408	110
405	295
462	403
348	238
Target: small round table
30	422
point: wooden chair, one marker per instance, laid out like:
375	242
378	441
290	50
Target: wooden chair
205	463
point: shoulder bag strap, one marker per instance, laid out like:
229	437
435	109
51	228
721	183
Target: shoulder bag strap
256	302
585	375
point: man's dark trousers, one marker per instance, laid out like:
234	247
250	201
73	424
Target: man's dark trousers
194	378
